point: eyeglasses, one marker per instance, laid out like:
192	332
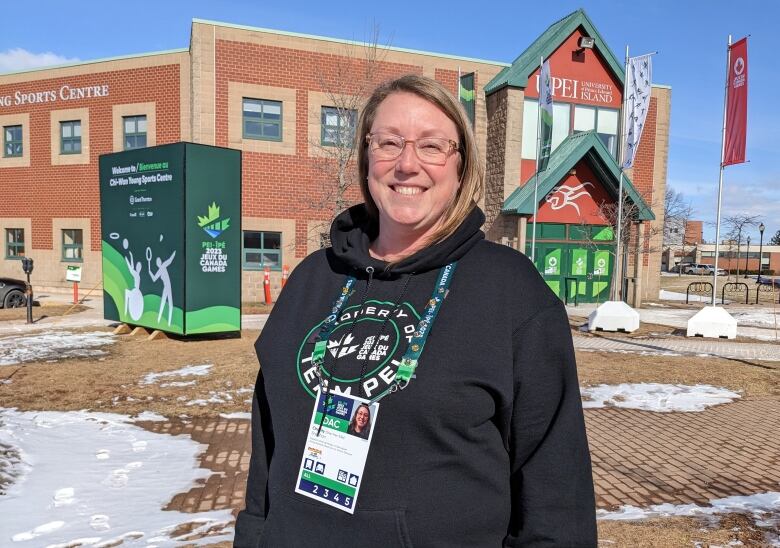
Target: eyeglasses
429	150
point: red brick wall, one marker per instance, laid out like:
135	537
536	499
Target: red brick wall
277	185
43	191
694	232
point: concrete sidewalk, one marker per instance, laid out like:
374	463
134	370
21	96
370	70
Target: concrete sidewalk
92	317
678	317
679	346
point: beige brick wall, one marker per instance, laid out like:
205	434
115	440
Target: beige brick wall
49	268
504	146
651	282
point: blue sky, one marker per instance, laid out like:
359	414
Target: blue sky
690	36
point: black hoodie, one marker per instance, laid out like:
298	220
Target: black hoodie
486	447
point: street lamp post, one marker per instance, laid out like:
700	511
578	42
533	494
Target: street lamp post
761	228
747	256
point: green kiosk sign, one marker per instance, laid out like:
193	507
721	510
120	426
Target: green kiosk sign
171	232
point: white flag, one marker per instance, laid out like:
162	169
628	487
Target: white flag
638	82
546	115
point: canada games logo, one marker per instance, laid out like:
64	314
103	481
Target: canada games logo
211	223
375	344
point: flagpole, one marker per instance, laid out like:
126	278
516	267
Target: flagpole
720	176
617	280
538	153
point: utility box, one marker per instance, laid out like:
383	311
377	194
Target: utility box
171	236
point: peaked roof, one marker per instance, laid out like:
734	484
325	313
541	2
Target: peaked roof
586	145
517	74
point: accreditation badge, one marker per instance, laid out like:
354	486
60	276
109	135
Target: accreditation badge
336	449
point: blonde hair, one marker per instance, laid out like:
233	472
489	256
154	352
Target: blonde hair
471	174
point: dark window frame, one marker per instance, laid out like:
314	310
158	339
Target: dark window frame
78	247
72	140
8	144
136	135
262	251
340	129
12	245
262	119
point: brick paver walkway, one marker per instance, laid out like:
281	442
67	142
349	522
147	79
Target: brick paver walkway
640	458
690	347
643	458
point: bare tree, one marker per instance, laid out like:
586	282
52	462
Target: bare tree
346	87
634	235
677	215
736	225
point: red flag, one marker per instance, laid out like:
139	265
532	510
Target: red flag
736	105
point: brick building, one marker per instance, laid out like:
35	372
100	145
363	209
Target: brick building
271	95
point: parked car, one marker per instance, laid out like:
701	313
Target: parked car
710	268
12	293
769	281
680	267
696	268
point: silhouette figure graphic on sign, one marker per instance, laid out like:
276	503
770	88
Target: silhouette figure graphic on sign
134	299
162	273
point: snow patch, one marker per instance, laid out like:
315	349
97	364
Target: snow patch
236	415
666	295
660	398
150	416
188	371
53	346
757	319
107	487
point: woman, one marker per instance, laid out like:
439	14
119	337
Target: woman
479	439
361	423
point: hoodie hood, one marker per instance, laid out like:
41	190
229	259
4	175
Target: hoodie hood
350	236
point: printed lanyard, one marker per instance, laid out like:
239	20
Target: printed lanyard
416	345
321	344
411	357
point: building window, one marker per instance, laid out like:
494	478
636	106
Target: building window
12	141
262	119
561	126
70	137
603	120
134	128
72	244
262	249
338	126
14	243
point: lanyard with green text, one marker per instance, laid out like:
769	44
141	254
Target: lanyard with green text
411	357
321	344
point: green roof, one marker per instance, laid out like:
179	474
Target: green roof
574	148
517	74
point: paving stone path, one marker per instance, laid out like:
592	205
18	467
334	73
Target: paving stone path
689	347
640	458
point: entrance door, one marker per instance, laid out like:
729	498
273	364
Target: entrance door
574	269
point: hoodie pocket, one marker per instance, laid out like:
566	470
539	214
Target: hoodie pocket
296	523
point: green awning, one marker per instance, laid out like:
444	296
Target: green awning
588	146
517	74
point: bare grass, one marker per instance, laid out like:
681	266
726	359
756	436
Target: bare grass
752	379
674	532
113	383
